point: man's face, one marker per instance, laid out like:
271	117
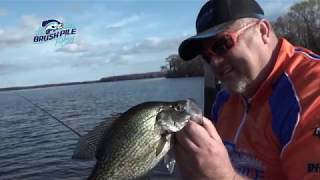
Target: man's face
234	63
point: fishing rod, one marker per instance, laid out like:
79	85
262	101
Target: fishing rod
52	116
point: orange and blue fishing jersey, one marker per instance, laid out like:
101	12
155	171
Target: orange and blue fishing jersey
276	133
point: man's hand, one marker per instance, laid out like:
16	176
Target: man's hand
201	154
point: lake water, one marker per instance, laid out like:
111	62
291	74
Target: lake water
34	146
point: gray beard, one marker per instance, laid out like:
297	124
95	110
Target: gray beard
238	85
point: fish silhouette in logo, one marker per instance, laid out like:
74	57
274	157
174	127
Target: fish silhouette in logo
51	25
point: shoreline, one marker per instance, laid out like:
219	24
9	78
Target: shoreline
127	77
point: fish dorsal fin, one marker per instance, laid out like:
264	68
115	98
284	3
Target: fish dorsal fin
87	145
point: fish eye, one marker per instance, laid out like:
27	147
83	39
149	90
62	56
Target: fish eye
178	107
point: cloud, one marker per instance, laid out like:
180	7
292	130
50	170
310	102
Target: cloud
124	59
275	8
76	47
19	34
149	49
90	63
123	22
154	45
10	39
30	22
9	68
3	12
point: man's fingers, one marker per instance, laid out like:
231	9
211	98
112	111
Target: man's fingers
207	124
180	154
212	131
183	161
196	133
197	118
184	140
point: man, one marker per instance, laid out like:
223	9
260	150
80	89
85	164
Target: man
266	121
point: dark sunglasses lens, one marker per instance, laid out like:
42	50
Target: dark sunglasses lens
222	45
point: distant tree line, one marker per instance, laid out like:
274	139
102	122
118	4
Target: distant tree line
176	67
301	26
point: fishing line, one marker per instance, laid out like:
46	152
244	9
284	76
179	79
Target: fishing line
43	110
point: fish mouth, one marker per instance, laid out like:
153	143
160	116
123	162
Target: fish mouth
171	121
174	119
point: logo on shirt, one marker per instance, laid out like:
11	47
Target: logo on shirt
245	163
313	167
317	132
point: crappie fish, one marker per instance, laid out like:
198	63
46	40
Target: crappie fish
136	141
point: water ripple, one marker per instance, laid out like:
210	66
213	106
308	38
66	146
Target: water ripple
33	146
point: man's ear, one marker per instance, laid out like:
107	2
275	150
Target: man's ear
265	30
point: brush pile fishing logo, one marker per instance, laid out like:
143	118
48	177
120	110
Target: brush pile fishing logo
52	29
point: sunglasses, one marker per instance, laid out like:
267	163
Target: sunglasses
224	43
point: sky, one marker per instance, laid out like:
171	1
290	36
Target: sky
113	37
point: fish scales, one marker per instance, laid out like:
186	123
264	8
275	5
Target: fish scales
137	136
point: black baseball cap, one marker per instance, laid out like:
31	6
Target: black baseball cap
214	17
